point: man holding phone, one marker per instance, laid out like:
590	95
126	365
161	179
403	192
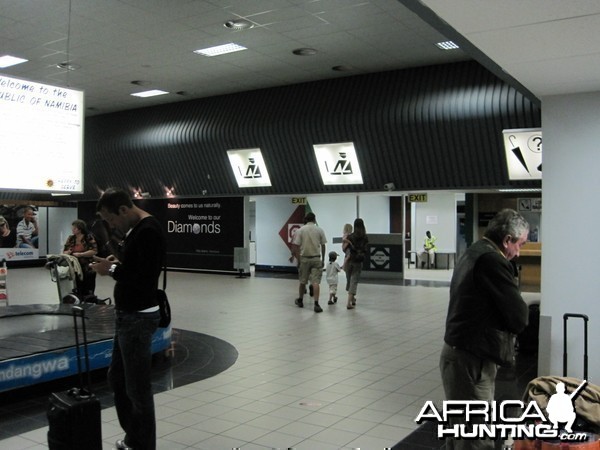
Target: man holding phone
136	270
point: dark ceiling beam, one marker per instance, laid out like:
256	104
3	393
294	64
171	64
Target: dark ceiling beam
429	16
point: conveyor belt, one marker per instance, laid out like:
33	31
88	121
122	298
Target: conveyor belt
30	329
37	342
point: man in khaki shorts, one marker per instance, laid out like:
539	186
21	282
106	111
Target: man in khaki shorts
309	250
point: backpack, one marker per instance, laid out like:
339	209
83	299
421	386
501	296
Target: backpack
358	251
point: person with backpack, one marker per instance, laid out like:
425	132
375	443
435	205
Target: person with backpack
357	241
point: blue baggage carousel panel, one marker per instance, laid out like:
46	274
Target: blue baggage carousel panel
37	342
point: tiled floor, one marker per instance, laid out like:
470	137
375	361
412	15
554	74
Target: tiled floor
341	379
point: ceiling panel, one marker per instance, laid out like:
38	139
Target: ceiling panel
114	42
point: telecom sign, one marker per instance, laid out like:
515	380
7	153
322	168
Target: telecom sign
338	163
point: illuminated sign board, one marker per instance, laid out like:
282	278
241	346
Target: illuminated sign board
338	163
249	168
41	137
523	149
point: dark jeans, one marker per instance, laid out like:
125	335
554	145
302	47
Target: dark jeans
129	377
87	285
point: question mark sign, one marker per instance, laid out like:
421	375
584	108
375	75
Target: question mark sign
535	144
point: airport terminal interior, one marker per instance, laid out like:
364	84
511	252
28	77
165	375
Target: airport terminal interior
248	369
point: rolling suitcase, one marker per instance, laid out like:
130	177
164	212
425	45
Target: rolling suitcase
74	415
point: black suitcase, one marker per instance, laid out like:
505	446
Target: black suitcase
528	339
74	415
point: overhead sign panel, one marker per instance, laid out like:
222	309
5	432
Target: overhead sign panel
523	149
41	137
249	168
338	163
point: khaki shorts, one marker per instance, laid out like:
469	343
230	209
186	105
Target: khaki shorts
311	269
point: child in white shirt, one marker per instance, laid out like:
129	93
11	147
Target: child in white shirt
333	268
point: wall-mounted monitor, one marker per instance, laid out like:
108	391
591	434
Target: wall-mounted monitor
41	137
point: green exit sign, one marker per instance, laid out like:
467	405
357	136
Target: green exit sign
416	198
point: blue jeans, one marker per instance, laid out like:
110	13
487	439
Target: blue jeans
130	379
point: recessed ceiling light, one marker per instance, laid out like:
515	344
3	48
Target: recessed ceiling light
447	45
304	51
150	93
7	61
220	49
238	24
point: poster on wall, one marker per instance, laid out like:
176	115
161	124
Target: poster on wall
294	222
19	232
201	232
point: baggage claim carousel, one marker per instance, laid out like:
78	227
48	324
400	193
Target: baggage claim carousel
38	356
37	342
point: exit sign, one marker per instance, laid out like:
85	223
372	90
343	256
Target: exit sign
299	201
417	198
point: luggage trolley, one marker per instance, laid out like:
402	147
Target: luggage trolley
63	273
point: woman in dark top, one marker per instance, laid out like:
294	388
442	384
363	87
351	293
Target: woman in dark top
357	241
82	245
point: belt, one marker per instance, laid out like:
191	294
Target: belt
313	256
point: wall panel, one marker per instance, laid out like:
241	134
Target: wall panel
437	127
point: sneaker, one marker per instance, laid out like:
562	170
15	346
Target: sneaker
330	302
334	299
318	308
299	303
121	445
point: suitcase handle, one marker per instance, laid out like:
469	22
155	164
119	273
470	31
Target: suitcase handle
585	342
79	311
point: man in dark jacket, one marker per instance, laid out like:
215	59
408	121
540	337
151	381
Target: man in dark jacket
485	311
